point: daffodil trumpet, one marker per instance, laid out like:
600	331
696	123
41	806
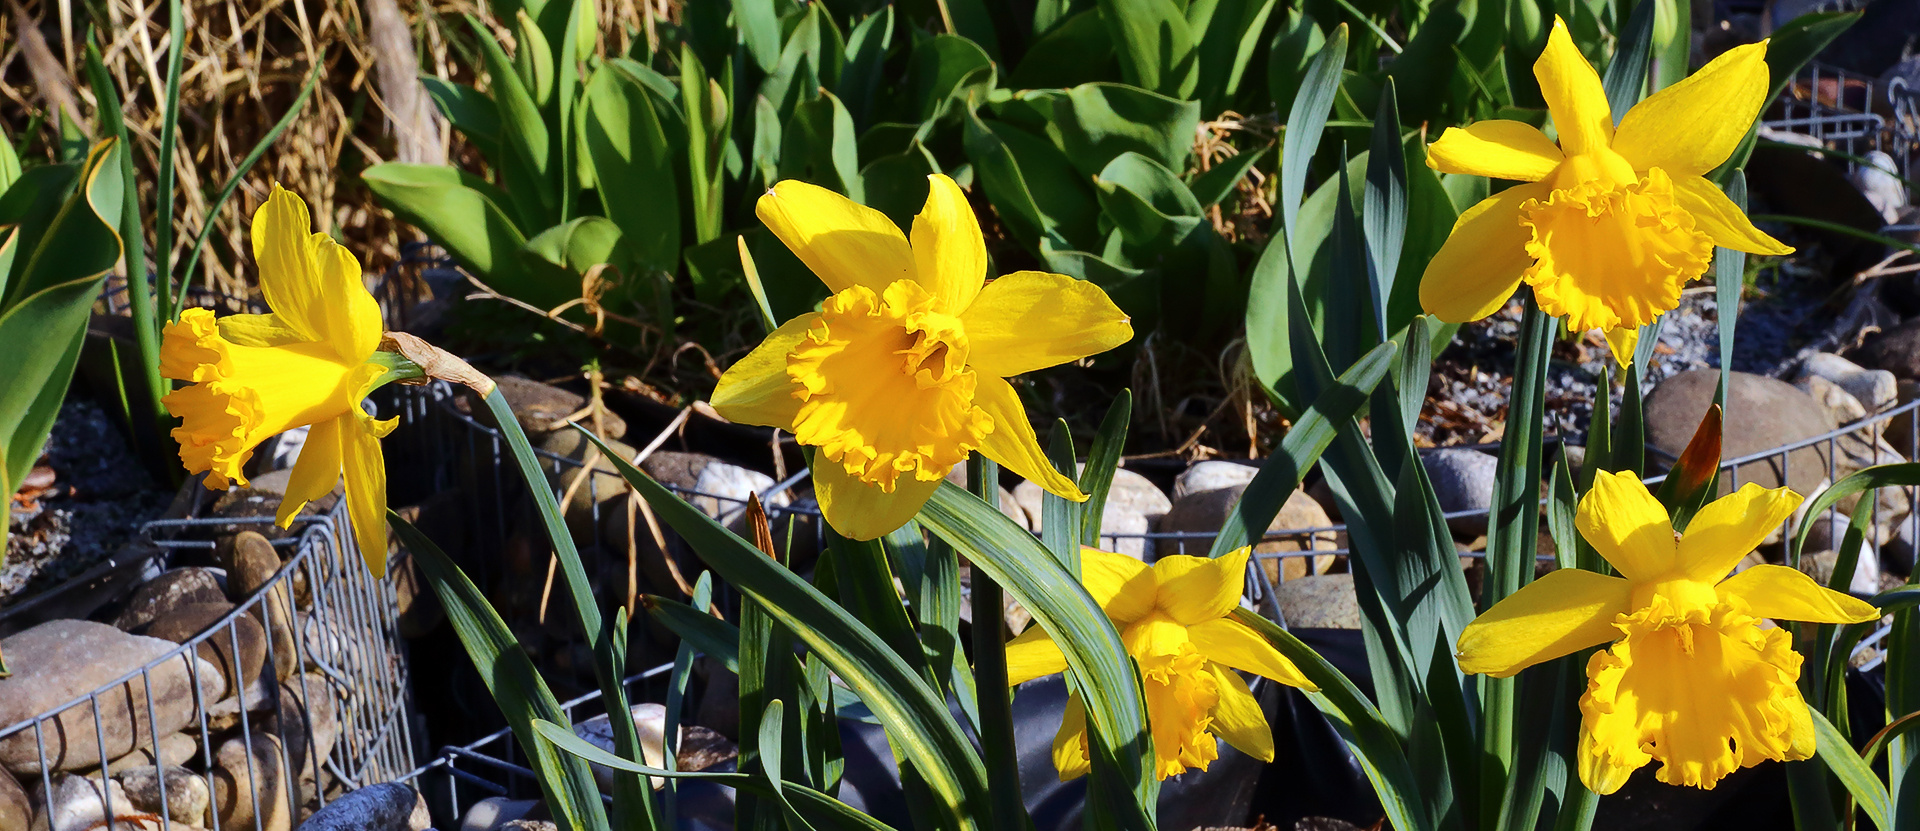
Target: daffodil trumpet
310	362
902	372
1609	224
1173	617
1689	677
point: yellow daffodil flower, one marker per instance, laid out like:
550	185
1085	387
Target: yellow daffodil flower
1613	221
310	362
1691	679
902	372
1173	618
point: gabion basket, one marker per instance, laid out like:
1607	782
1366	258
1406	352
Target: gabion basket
461	775
328	713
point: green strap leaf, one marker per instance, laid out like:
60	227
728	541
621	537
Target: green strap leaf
1838	755
1095	654
916	717
1281	473
816	806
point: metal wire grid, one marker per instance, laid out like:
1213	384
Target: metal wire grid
496	765
1779	465
342	622
493	765
1838	107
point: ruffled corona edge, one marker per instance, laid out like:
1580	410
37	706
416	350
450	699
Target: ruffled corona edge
1705	694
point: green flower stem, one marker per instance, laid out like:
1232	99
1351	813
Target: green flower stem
1514	526
633	804
990	670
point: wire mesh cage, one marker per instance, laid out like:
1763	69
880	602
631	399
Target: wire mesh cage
250	714
493	767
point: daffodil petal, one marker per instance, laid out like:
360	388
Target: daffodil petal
1496	149
1196	589
318	468
844	243
350	317
1123	586
1032	320
1581	114
1721	220
1563	612
861	511
1230	642
1622	342
1627	526
1012	442
1070	752
258	330
365	470
757	389
280	232
1237	717
949	254
1154	636
1483	259
1729	527
1033	654
1691	127
1783	593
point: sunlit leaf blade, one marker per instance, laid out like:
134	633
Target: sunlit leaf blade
1102	460
915	716
1834	751
1906	474
1061	606
1280	474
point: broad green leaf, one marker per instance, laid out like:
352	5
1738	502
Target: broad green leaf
524	167
469	110
947	70
1295	42
559	256
1227	45
817	146
1155	45
44	320
464	214
759	26
896	185
633	164
1097	122
713	637
916	718
1148	202
1077	51
866	58
708	119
